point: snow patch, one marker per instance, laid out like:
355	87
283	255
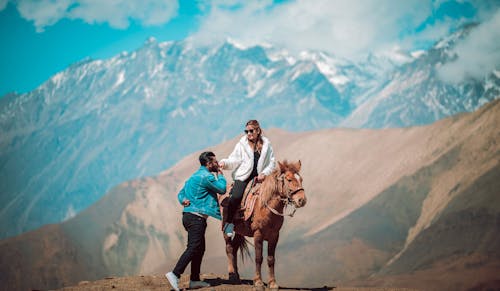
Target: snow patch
70	213
148	93
275	89
150	40
178	112
57	79
165	44
120	79
236	44
331	74
417	54
496	73
251	74
280	55
157	68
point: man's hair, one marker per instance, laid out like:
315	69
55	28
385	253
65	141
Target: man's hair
206	157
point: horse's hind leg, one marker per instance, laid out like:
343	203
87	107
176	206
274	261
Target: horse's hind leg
271	248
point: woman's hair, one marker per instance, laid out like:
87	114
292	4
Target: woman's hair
255	124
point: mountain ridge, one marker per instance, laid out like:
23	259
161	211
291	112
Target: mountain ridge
136	227
101	122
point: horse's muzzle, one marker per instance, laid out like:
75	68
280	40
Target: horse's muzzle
300	202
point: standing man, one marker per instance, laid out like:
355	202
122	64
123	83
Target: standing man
199	198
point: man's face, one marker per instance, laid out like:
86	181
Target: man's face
213	165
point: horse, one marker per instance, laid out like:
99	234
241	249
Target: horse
278	191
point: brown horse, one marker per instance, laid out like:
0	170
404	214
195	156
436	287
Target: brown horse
280	189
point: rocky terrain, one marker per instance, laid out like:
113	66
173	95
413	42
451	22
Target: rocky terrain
158	282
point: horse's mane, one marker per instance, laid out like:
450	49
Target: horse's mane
269	187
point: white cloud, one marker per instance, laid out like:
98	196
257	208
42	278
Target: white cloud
44	12
348	28
117	13
478	55
3	4
344	27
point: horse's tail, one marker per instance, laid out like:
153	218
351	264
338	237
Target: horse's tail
241	243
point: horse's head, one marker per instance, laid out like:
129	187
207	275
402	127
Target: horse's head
292	183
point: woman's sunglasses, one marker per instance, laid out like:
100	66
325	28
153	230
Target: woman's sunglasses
247	131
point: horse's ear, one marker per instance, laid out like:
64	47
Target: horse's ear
282	166
298	165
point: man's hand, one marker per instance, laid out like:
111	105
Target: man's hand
221	165
186	202
260	178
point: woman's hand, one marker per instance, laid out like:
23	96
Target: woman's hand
260	178
221	165
186	202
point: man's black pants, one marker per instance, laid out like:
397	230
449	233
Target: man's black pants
195	226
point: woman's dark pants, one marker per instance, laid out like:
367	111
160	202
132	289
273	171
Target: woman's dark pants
235	197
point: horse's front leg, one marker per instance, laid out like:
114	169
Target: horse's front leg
271	248
258	242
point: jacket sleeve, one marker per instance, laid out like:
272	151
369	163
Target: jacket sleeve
215	185
234	159
182	195
272	162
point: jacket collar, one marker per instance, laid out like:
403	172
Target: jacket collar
246	145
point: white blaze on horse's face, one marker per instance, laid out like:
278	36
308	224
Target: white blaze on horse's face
299	197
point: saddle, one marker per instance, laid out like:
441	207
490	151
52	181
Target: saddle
247	202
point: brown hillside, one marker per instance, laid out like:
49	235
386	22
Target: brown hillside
382	204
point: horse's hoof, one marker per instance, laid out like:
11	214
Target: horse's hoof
273	286
234	278
258	285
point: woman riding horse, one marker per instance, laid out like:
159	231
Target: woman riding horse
281	189
251	158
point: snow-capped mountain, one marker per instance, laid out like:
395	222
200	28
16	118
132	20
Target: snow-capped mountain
101	122
416	95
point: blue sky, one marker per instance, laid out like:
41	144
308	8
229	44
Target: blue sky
41	38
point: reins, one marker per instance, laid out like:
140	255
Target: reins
287	201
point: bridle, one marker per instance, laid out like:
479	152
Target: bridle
288	201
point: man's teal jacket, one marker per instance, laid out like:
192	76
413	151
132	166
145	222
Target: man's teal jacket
201	190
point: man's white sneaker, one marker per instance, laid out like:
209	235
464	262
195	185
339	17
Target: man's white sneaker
173	280
198	284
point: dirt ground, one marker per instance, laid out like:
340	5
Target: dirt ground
218	283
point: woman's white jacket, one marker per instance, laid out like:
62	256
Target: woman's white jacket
241	159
